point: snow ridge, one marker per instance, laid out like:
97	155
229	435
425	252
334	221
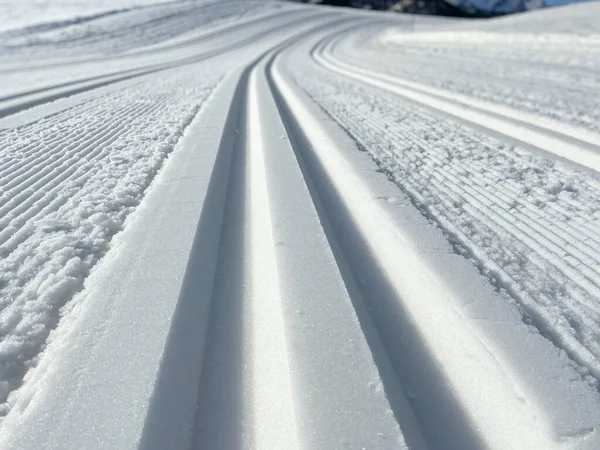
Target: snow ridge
67	184
529	222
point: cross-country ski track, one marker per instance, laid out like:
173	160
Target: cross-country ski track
252	225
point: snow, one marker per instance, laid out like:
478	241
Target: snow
415	286
63	200
519	71
571	31
528	221
116	32
219	216
270	355
457	176
123	315
575	19
28	13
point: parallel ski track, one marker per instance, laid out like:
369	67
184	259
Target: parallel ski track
528	68
49	171
577	145
309	317
328	299
16	103
272	349
146	32
511	53
67	183
204	37
246	378
521	85
555	237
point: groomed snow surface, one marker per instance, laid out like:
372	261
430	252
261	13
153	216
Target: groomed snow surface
267	225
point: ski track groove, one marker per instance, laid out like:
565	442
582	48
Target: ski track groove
302	300
116	41
522	220
571	81
66	168
26	100
531	130
382	303
205	37
312	404
513	88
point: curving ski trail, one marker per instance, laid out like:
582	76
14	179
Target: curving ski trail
249	236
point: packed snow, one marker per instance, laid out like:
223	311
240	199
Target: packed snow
29	13
517	214
68	182
116	32
373	230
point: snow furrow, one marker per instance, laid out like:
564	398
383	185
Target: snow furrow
206	38
20	101
270	361
107	35
519	78
350	210
75	164
461	183
515	72
63	209
431	159
42	175
245	361
572	144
